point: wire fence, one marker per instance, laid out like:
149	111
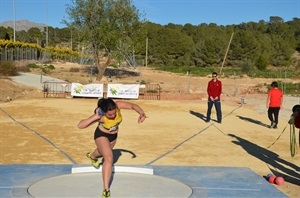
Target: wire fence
11	54
19	54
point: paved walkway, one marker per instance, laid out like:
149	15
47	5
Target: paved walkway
34	80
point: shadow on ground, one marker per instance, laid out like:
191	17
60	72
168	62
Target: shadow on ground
253	121
281	167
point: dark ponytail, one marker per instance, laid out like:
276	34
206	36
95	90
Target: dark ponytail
106	105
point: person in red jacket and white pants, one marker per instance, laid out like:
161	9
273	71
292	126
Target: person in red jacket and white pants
214	90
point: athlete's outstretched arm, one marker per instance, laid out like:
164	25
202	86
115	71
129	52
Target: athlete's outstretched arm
88	121
137	108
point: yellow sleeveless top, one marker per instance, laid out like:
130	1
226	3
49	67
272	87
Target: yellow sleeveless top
112	124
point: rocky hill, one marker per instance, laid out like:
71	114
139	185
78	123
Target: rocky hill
23	25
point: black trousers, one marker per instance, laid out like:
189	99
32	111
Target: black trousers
273	113
217	104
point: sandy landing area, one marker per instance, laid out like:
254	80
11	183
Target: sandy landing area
36	131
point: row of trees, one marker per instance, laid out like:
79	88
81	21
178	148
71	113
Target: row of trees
116	30
263	43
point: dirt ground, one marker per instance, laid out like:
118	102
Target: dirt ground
37	130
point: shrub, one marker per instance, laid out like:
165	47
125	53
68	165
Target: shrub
74	69
50	67
247	67
262	62
32	65
8	68
143	82
23	69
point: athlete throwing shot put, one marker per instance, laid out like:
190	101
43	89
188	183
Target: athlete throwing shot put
108	117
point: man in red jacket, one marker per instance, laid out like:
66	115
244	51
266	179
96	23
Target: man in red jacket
214	90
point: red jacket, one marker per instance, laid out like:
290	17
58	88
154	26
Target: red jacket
275	96
214	89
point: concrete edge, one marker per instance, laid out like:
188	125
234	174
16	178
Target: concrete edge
116	169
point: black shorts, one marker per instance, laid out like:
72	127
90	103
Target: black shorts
99	133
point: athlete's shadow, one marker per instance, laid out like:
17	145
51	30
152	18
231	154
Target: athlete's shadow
117	154
198	115
283	168
253	121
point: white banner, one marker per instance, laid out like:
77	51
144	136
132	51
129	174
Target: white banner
123	91
89	90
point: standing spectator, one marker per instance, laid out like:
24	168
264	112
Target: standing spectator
274	104
214	90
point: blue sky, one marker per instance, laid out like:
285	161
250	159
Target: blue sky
221	12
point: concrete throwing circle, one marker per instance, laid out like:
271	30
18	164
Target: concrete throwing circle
123	185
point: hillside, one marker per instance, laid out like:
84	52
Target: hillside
23	25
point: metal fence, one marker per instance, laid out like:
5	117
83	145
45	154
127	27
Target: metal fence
150	92
11	54
18	54
57	89
63	90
